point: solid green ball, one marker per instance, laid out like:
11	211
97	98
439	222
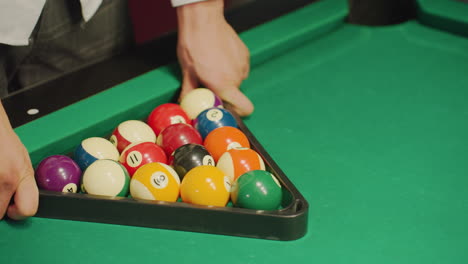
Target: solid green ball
257	189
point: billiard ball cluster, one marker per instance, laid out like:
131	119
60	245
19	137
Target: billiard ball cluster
191	152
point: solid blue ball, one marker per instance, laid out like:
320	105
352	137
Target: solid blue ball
212	118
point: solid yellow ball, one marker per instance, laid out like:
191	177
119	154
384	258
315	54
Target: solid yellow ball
206	185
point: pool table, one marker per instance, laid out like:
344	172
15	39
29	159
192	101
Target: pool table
369	123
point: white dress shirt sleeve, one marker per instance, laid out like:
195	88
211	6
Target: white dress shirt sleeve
176	3
89	8
18	19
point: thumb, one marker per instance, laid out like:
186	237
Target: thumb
189	83
26	199
240	103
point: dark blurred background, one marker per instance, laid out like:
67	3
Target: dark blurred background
154	18
381	12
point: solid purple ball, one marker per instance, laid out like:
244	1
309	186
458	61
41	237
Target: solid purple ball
58	173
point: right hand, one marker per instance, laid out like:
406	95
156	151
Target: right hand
211	54
17	182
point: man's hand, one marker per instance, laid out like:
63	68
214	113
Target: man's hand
211	54
16	175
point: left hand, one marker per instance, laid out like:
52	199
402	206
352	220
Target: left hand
212	54
19	195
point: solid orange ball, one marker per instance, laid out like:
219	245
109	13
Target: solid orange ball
206	185
223	139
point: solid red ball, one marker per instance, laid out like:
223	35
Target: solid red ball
165	115
177	135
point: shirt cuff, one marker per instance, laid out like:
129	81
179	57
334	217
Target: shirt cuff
176	3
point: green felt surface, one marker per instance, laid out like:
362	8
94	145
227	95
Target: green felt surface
373	129
447	15
369	123
453	9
